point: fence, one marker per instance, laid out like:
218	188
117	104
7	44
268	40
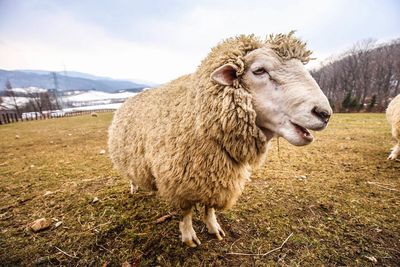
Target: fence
7	117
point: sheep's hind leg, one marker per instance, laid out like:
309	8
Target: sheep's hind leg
395	152
189	236
396	134
212	224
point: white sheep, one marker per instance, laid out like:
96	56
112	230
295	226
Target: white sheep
195	139
393	117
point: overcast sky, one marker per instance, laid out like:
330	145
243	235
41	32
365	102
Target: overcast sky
161	40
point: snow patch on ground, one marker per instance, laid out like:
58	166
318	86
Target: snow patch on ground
28	90
97	95
81	101
96	107
8	102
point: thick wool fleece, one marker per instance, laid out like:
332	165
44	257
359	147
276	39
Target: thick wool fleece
393	117
192	140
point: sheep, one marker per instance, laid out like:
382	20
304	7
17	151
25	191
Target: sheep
393	117
94	114
196	139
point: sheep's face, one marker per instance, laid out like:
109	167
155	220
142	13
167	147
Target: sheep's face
287	100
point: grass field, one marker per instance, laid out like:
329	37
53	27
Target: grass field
346	212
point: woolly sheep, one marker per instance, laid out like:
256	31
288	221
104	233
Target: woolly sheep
393	117
196	139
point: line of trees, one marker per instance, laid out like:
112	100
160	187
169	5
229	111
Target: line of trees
364	78
39	100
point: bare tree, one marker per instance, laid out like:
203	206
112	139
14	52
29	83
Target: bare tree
364	78
40	100
11	93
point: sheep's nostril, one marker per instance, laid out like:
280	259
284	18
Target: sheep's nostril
322	114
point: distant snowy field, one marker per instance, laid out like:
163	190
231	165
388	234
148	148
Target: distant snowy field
95	107
8	101
97	96
91	100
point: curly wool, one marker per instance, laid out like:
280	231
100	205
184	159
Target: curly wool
192	140
287	46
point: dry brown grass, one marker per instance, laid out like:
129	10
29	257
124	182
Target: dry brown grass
336	215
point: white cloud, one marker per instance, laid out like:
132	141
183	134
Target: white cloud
88	48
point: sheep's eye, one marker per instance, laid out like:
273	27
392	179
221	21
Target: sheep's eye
259	71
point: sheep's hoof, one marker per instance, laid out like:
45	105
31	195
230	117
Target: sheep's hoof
392	156
192	244
215	229
189	236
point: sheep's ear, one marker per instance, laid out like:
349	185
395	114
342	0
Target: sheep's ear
225	74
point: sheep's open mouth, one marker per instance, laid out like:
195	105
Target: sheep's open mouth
303	132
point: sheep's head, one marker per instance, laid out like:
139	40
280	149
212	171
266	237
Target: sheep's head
287	100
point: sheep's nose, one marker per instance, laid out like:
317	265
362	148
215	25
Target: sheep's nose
323	114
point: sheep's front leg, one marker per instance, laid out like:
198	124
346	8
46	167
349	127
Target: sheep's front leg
188	234
134	187
395	152
211	222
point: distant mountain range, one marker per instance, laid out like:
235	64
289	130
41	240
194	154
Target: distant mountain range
70	80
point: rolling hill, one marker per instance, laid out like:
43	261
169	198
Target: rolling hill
71	81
